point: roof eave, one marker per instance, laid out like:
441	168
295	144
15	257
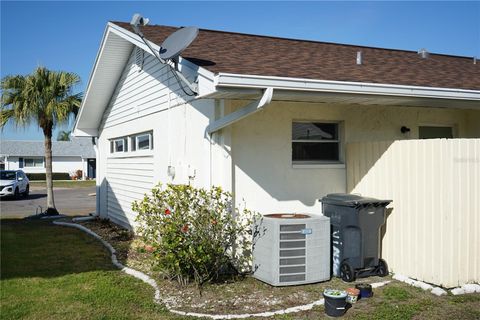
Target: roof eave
230	80
76	131
89	127
244	85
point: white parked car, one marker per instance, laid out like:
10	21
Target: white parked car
14	183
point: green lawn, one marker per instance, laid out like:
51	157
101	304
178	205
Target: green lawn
65	183
52	272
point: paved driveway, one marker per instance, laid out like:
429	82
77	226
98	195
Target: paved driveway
71	201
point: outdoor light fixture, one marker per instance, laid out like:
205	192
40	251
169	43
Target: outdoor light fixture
404	129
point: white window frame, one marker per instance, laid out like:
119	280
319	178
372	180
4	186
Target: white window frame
33	158
113	145
130	144
135	139
325	164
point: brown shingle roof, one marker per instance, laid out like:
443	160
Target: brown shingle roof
228	52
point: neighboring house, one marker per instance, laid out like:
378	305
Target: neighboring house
332	118
67	156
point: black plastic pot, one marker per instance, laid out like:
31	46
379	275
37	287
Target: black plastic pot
335	306
365	290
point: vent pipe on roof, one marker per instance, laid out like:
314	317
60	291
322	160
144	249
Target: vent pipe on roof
474	60
423	53
359	57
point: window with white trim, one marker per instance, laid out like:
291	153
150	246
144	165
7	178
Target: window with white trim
33	162
315	142
142	141
138	142
119	145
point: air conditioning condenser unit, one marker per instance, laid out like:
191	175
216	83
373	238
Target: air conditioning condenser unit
291	249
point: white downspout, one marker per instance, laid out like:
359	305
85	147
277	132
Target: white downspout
247	110
98	181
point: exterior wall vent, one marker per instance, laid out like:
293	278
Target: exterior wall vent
359	57
423	53
139	58
291	249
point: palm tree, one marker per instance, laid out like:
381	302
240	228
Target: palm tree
45	97
64	136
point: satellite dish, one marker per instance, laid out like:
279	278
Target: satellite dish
177	42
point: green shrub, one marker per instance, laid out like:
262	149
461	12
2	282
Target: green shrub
195	233
42	176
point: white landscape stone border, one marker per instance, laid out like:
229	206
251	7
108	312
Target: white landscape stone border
466	288
419	284
145	278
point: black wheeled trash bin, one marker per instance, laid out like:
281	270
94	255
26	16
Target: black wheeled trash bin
355	234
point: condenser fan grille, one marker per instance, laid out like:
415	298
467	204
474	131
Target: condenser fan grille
292	264
291	249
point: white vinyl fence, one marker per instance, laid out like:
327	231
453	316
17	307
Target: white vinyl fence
433	229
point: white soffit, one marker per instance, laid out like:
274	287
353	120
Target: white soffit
111	59
292	89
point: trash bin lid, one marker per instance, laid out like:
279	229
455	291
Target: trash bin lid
352	200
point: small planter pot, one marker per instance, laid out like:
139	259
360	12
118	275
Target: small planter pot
335	302
365	290
352	295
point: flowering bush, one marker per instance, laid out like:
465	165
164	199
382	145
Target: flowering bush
195	234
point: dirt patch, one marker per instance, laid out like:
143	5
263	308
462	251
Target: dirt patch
244	295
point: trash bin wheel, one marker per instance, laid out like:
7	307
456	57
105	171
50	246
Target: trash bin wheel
346	272
382	268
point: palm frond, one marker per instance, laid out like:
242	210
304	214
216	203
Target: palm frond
5	115
44	96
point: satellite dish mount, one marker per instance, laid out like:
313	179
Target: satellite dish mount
171	47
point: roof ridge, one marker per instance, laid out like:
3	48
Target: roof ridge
40	141
309	40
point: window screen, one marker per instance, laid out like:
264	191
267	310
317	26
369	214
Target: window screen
428	132
143	141
315	142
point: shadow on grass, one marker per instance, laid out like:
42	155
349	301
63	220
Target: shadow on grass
41	249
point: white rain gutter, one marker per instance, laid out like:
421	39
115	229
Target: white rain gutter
249	109
229	80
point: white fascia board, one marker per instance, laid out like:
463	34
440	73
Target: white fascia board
92	74
136	40
206	78
298	84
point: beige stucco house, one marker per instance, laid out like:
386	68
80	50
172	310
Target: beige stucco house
282	122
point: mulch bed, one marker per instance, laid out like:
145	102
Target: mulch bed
244	295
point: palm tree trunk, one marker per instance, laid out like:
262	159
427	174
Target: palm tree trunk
51	210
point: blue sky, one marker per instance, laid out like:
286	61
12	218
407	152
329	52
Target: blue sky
65	35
